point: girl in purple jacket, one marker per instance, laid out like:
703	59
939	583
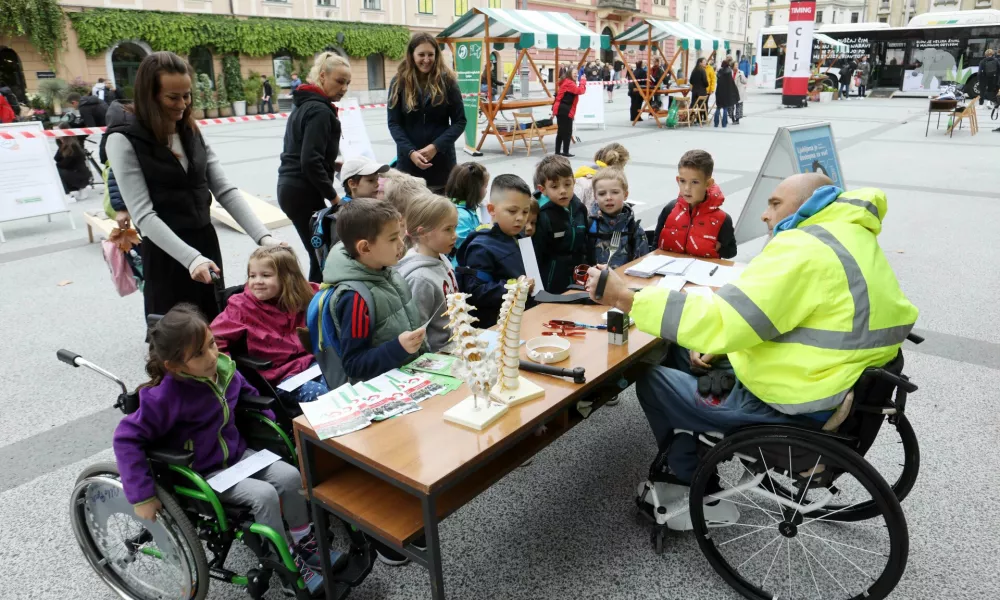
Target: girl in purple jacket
190	404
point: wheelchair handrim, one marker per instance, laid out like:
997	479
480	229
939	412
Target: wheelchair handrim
771	556
105	566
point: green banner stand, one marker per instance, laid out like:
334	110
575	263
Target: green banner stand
469	69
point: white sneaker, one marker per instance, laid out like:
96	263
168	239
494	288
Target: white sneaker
70	198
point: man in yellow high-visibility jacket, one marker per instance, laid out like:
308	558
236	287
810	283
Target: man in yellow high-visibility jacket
816	307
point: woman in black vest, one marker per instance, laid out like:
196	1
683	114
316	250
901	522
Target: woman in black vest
167	175
312	142
426	114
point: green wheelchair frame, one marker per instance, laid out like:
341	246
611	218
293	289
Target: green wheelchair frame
198	512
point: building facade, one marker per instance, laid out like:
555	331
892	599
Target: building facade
765	13
897	13
22	66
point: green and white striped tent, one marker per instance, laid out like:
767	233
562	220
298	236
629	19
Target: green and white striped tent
688	36
534	29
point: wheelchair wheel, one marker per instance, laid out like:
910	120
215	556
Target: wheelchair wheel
788	548
137	559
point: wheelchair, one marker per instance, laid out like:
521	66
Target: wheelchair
789	511
166	559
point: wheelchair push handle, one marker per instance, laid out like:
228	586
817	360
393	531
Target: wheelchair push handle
916	339
68	357
75	360
899	381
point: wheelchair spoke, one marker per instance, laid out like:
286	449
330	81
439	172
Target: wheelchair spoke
805	553
830	514
851	562
822	566
767	471
776	552
758	552
805	489
770	514
845	545
742	536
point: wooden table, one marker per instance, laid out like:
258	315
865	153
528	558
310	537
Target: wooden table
939	106
397	479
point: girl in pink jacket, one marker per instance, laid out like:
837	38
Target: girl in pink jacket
267	313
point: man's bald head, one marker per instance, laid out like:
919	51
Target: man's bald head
790	195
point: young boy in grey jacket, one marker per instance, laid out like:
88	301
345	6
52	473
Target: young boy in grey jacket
430	226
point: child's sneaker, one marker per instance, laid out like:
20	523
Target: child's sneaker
391	557
312	579
308	550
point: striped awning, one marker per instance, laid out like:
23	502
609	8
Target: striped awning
829	41
689	36
534	29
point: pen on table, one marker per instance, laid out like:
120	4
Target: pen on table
714	269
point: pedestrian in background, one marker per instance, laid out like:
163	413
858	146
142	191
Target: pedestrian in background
635	96
726	94
741	87
864	72
266	99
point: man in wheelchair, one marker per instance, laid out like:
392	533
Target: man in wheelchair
800	325
190	405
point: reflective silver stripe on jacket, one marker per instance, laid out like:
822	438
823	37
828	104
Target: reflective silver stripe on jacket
860	203
828	403
861	337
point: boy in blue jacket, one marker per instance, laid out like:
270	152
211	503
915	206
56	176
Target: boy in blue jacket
489	258
609	215
560	238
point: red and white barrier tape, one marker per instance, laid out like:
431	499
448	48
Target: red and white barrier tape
58	133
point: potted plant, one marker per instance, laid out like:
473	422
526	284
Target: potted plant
52	92
252	89
212	107
201	96
826	94
225	108
234	84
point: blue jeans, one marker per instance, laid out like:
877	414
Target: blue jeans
670	400
726	111
268	104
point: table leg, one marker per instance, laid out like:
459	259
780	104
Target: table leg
433	548
321	521
928	128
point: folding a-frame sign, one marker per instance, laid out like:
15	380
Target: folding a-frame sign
650	34
525	29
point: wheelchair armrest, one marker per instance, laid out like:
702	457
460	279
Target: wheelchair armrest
181	458
899	381
251	362
258	403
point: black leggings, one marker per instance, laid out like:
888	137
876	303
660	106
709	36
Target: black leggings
564	133
299	204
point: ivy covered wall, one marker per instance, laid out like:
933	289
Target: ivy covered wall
97	29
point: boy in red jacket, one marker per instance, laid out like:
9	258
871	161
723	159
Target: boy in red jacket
564	106
695	223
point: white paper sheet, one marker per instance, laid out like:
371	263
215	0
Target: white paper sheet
648	266
699	290
530	264
295	382
711	274
675	267
227	478
383	384
672	282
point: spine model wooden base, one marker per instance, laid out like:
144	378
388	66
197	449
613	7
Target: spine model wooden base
477	368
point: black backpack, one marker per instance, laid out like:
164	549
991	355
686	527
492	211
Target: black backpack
323	227
990	67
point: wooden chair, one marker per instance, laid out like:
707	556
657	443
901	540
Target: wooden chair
528	133
969	112
698	110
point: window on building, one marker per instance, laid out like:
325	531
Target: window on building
687	12
732	20
768	20
376	72
701	16
854	17
201	61
372	5
718	20
461	7
328	3
496	3
883	19
425	7
833	17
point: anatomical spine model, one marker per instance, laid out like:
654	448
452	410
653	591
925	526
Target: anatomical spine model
476	367
512	389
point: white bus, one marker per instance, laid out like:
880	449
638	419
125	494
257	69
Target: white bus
934	49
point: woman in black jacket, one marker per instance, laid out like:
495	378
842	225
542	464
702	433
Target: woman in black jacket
71	163
698	81
312	142
726	94
426	113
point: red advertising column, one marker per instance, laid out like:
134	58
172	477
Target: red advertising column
798	52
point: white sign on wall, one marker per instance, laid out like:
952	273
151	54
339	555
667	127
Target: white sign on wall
767	73
29	181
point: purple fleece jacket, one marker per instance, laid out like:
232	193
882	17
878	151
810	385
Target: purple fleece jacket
182	413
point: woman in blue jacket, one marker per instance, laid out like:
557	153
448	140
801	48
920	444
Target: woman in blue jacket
426	114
